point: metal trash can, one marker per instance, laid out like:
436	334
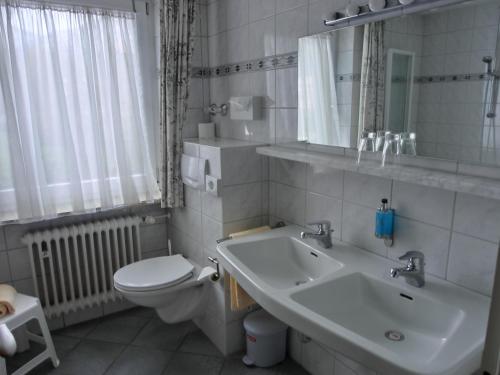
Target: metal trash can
266	339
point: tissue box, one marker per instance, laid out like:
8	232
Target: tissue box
246	108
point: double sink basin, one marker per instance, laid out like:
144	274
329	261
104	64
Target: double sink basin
343	298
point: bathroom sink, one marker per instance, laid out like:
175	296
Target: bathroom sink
399	321
344	298
283	262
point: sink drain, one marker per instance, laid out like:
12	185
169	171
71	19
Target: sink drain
300	282
394	335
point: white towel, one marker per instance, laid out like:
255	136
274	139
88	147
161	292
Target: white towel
193	171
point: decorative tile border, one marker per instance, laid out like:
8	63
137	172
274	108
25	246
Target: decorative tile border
267	63
289	60
453	78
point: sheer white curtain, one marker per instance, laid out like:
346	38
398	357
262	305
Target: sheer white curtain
318	114
73	131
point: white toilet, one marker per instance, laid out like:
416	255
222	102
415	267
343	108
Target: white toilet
176	287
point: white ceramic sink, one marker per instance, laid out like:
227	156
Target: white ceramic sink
283	262
402	322
344	298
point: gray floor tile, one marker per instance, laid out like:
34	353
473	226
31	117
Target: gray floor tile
193	364
198	343
143	312
120	329
64	344
89	358
160	335
137	360
78	330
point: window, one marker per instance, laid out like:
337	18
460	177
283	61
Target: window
75	112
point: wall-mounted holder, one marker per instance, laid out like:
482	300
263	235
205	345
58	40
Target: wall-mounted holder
215	276
384	223
393	9
214	109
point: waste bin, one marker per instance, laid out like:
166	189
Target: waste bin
266	339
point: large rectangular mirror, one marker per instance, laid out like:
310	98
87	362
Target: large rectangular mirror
431	74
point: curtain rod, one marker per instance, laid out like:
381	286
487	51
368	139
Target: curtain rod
390	12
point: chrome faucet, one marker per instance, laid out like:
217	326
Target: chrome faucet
414	270
322	235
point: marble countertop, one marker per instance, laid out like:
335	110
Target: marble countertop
222	142
449	180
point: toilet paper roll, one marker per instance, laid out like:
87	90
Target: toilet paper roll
206	130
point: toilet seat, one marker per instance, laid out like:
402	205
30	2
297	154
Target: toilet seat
154	273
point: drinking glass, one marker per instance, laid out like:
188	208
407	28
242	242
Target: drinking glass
392	146
409	144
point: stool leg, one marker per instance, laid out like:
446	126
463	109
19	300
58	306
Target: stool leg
3	366
40	316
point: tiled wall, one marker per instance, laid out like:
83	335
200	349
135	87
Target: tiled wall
458	233
241	204
15	265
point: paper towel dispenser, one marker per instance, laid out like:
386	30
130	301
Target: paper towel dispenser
245	108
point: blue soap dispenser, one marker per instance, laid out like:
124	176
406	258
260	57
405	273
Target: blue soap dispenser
384	223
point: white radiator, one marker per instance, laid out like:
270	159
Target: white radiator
73	266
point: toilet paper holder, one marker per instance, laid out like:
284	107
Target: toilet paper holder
216	275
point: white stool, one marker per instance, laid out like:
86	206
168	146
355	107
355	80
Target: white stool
28	308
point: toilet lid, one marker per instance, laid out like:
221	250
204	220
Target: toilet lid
154	273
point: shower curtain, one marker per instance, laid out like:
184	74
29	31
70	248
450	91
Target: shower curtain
372	93
176	39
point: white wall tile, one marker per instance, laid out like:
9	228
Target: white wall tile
263	83
290	204
242	201
236	13
284	5
286	125
288	172
317	360
217	49
327	181
262	130
478	217
430	240
347	363
216	17
260	9
430	205
472	263
192	198
211	206
366	190
286	88
262	39
237	44
4	268
241	165
212	231
358	228
188	221
153	237
290	26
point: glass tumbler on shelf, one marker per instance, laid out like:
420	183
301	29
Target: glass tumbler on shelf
409	144
366	143
392	146
380	140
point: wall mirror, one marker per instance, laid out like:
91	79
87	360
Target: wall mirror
431	74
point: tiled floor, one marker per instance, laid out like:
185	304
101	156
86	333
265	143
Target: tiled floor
136	342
